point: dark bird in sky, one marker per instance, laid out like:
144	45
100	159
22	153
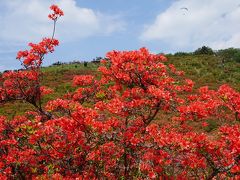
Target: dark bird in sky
184	8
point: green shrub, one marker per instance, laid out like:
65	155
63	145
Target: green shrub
204	50
230	54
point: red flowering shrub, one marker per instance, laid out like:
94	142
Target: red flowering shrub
111	127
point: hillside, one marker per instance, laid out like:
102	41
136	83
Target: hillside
135	106
206	70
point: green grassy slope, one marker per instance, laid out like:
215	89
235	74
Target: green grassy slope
208	70
203	69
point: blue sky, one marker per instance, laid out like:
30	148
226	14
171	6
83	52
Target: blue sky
91	28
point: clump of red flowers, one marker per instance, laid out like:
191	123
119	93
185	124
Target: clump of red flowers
111	126
34	56
57	12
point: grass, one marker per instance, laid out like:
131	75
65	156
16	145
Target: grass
208	70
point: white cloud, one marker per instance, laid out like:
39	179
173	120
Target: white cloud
214	23
23	21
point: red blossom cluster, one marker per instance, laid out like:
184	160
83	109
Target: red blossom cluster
34	56
131	121
23	85
57	12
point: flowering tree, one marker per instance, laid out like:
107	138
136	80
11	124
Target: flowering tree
129	122
25	85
